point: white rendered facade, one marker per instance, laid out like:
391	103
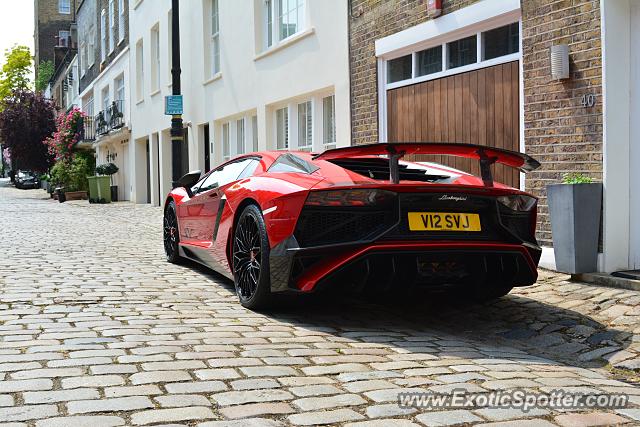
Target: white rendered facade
112	85
256	74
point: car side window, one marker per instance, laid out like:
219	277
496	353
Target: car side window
226	174
209	183
232	171
250	169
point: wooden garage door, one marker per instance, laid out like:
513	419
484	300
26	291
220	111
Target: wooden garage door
478	107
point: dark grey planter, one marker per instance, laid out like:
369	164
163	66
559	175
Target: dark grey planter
575	211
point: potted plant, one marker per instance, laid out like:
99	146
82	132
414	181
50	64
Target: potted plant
109	169
575	210
101	190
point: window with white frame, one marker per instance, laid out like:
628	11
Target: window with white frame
64	7
155	58
254	132
83	58
305	126
282	19
121	23
139	70
112	26
119	90
88	106
215	38
494	44
106	100
103	35
63	38
226	151
329	121
240	136
282	128
91	49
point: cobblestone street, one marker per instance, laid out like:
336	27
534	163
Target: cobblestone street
97	329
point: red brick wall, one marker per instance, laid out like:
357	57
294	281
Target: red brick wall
559	131
562	134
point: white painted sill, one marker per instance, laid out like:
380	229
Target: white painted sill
154	93
285	43
216	76
136	4
139	101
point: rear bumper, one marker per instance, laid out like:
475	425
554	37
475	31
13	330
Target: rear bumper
389	263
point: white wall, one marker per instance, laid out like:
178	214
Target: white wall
115	142
307	66
616	106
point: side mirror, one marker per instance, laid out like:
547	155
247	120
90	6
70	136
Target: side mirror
187	181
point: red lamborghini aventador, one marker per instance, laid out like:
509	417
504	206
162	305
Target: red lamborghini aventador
357	217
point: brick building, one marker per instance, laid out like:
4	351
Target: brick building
480	73
53	19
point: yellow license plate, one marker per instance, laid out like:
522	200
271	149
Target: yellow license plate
443	221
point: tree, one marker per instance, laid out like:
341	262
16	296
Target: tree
45	72
15	71
26	121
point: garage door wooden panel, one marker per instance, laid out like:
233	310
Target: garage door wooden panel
478	107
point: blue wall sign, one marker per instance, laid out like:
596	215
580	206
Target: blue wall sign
173	105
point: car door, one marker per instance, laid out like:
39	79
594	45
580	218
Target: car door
202	209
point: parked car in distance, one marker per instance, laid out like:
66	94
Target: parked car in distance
27	179
359	218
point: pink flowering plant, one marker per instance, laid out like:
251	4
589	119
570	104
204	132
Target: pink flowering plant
61	143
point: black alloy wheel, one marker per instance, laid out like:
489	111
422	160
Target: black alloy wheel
171	234
251	259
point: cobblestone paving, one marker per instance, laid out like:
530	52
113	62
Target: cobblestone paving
96	329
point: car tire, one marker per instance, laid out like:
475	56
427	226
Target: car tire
250	259
171	234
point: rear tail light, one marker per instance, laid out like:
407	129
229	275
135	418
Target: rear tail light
519	202
359	197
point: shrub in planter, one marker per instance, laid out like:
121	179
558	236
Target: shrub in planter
575	209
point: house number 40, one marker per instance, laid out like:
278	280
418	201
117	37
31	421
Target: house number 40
588	100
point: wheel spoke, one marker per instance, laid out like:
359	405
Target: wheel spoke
247	254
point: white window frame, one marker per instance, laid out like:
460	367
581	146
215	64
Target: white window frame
112	25
64	7
103	35
105	95
215	37
305	125
91	49
272	18
83	59
119	89
121	23
64	34
254	133
240	136
155	58
140	70
226	143
285	128
329	138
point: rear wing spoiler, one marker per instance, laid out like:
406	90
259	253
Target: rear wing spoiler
396	150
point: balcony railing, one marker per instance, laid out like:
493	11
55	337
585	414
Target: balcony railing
110	119
87	129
